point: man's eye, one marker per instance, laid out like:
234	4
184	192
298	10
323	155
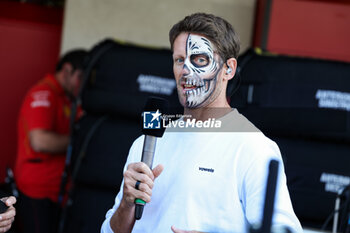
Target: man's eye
179	60
200	60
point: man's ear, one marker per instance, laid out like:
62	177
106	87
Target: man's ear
230	68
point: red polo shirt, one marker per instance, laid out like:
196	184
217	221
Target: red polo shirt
38	175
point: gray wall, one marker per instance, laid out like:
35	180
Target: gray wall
145	22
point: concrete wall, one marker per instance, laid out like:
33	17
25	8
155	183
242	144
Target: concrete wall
145	22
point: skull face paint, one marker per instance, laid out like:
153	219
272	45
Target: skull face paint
203	66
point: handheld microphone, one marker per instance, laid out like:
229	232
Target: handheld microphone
152	128
270	195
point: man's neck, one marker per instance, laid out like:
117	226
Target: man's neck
204	113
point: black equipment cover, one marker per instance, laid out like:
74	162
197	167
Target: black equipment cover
303	105
118	79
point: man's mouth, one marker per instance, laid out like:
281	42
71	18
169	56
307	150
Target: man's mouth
194	86
190	84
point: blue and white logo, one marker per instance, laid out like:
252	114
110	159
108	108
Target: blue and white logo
152	120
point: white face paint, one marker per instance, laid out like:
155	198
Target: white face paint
203	67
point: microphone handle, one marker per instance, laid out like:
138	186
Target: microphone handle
149	147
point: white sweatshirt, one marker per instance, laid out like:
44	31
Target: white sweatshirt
211	182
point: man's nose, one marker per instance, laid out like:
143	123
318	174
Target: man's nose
186	70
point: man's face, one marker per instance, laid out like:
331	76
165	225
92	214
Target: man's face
196	68
72	83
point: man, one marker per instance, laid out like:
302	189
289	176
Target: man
204	181
7	218
43	137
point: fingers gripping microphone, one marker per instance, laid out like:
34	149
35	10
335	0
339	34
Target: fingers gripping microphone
152	127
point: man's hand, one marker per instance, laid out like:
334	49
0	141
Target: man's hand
176	230
123	219
139	172
7	218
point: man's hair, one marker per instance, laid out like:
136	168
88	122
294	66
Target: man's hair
216	29
74	57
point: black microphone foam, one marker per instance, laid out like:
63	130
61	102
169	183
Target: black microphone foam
155	104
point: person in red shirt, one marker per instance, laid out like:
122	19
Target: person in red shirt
43	137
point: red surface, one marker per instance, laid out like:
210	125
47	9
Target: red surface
258	24
311	28
29	48
30	12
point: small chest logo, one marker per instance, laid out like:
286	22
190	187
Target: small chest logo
203	169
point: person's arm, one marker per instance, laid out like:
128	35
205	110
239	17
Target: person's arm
38	116
254	186
7	218
123	219
45	141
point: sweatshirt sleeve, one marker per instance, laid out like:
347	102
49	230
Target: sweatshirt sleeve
254	186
